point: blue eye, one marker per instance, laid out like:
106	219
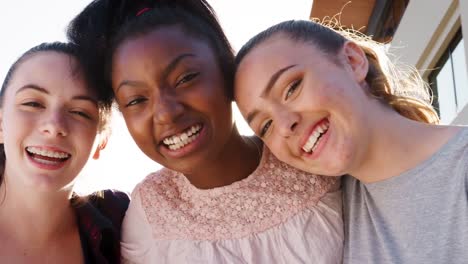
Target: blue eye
187	78
265	128
136	101
292	88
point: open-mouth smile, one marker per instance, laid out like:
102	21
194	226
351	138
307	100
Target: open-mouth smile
47	157
184	138
316	136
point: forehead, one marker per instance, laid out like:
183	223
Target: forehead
268	57
55	71
277	51
160	45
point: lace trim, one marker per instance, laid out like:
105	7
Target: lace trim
269	196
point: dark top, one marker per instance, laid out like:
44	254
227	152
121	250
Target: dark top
100	220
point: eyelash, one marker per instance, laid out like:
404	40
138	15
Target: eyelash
82	114
265	128
136	101
33	104
187	78
292	88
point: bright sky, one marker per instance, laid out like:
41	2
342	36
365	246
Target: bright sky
26	23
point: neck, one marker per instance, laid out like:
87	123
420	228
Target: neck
236	161
398	145
29	216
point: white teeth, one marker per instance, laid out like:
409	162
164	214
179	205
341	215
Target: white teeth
48	153
177	141
314	139
46	162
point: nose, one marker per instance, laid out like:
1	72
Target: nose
287	122
55	124
167	109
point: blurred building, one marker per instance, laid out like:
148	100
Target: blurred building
427	34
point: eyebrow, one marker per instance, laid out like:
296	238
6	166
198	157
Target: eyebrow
33	87
266	91
273	79
167	70
128	83
45	91
173	64
251	116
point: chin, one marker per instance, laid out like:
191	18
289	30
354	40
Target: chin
334	173
331	168
186	170
47	184
185	166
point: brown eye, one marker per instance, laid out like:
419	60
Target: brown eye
265	128
187	78
292	88
136	101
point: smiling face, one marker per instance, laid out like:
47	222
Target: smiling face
310	111
49	121
171	94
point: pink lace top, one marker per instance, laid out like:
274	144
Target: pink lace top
273	197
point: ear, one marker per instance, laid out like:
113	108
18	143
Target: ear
102	145
357	60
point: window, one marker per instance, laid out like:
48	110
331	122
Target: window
449	81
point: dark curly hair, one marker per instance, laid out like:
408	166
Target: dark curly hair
105	24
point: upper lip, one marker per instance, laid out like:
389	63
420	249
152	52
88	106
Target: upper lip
309	132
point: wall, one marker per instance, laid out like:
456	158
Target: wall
425	31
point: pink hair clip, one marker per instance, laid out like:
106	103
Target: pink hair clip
142	11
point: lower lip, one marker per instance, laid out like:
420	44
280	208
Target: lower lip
321	145
43	166
187	149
